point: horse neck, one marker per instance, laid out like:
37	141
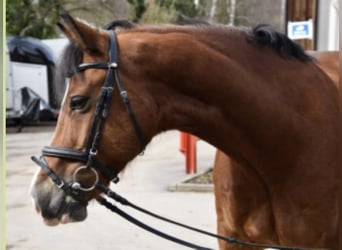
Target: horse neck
184	85
213	90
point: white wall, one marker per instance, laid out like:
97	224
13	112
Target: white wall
328	25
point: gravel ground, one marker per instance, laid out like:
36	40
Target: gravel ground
204	178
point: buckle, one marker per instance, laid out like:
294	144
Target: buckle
113	65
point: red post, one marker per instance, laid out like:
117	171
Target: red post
188	148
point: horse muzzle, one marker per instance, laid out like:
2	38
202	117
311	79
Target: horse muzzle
55	206
57	201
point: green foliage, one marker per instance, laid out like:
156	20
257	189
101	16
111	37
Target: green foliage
32	18
37	18
138	9
185	8
169	10
181	7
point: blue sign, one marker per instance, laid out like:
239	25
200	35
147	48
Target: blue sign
300	30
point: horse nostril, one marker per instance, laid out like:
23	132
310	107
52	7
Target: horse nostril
48	213
77	211
51	208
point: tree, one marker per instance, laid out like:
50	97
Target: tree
138	9
32	18
169	11
37	18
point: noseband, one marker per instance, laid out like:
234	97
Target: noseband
88	156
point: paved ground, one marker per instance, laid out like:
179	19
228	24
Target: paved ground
144	182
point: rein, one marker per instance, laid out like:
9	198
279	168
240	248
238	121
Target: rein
76	190
123	201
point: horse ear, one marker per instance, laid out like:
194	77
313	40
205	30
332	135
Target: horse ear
84	36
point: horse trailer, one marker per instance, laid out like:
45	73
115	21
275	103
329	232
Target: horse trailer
30	92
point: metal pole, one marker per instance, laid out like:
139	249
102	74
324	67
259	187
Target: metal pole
188	148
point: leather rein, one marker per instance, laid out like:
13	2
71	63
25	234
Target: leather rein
92	164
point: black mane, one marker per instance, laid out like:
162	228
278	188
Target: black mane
265	35
262	35
72	55
67	64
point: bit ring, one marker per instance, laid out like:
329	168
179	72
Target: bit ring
78	185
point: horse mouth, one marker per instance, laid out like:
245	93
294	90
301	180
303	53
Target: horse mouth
68	211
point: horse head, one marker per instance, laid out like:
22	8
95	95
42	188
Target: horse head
100	127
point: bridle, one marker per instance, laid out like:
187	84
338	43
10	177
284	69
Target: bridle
88	156
75	189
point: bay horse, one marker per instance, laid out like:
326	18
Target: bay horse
252	93
242	205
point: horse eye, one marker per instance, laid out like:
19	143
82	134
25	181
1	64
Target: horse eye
78	102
